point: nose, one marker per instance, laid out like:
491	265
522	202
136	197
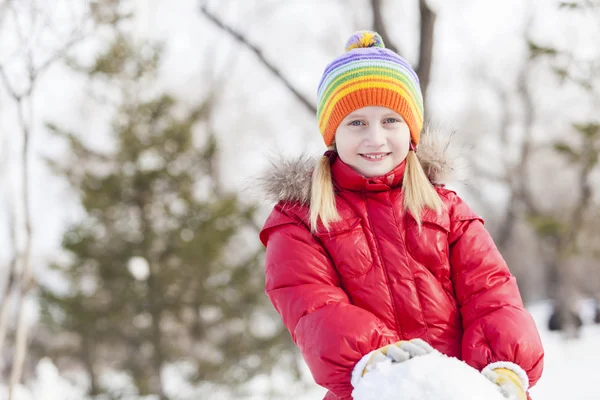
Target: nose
375	136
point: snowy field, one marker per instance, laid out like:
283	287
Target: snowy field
570	370
570	373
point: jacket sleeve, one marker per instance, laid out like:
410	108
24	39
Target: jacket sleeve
497	327
305	289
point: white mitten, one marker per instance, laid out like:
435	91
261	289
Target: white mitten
511	379
396	352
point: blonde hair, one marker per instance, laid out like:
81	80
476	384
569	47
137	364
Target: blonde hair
322	196
419	193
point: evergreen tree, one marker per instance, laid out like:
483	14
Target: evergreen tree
165	266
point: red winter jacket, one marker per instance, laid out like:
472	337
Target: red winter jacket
373	279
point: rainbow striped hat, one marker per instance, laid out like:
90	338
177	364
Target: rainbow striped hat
368	74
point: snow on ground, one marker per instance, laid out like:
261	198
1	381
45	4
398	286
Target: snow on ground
570	373
570	368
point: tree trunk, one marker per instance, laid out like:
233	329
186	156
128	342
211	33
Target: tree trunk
428	18
156	336
426	40
8	291
154	294
87	355
379	25
27	281
569	316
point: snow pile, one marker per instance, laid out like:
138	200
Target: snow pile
48	385
430	377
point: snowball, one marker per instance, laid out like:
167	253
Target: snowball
430	377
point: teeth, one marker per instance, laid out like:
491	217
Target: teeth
375	157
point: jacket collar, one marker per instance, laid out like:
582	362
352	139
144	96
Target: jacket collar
346	178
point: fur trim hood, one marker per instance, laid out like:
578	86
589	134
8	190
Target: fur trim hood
289	179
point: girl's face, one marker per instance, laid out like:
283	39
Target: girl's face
372	140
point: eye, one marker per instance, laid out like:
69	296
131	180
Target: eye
391	120
355	123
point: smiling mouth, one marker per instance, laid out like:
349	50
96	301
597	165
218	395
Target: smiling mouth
374	157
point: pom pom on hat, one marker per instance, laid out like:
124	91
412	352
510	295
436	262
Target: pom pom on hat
364	39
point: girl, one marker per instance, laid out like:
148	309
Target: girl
369	257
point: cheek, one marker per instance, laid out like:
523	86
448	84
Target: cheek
344	152
344	145
401	141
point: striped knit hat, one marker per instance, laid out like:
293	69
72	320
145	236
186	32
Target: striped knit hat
368	74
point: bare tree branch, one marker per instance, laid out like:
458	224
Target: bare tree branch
11	277
27	281
519	176
510	218
25	108
8	288
529	112
75	37
10	280
428	18
11	91
589	153
564	264
509	177
242	39
3	9
379	25
34	72
18	27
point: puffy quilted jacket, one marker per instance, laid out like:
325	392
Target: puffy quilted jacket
374	278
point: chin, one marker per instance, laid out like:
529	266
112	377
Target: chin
374	172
